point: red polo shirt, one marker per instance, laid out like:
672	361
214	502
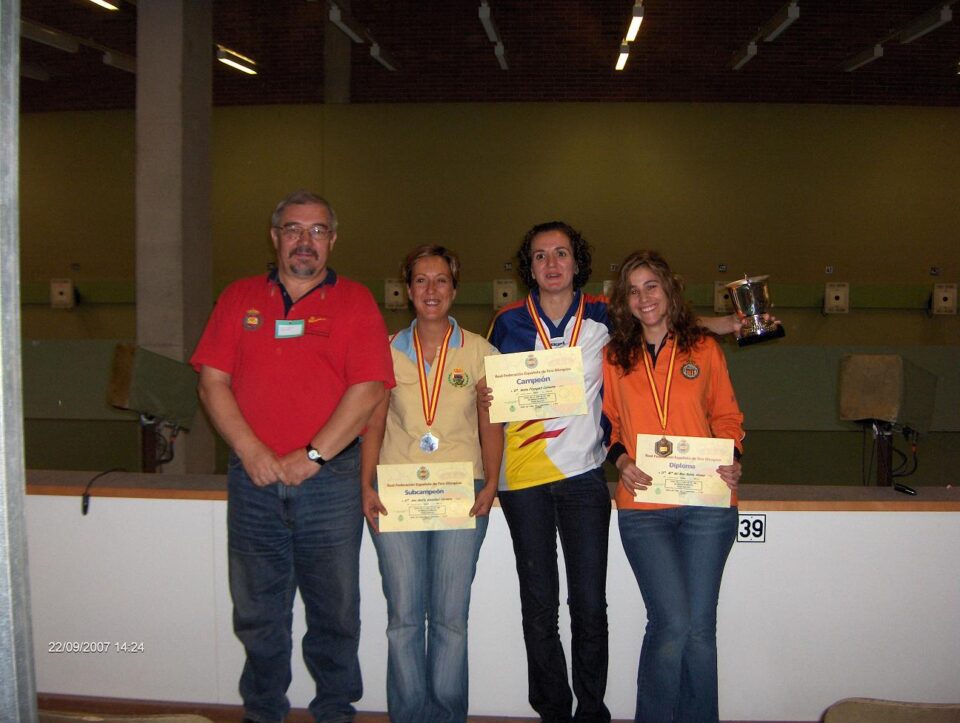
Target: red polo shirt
288	379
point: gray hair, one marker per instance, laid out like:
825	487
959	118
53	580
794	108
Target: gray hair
302	198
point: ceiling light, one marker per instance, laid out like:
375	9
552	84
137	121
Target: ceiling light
622	58
635	22
120	61
926	22
742	56
487	21
780	22
108	4
377	54
501	54
861	59
49	36
346	23
235	60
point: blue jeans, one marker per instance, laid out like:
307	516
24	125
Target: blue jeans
426	581
579	509
281	539
678	555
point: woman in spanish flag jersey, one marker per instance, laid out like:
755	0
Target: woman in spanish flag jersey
552	481
664	376
431	416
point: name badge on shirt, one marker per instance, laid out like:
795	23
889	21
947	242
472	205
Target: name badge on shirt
288	328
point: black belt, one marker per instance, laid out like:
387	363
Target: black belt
352	444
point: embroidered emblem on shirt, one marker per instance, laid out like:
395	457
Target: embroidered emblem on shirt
251	320
458	378
315	319
690	370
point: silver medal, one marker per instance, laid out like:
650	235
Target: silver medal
429	442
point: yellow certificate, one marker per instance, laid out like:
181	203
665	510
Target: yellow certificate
536	384
421	497
684	470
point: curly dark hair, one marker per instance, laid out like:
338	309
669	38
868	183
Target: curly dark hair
579	245
626	335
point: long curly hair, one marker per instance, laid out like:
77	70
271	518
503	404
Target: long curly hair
578	244
626	336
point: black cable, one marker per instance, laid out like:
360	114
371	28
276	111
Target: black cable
902	463
864	472
873	453
912	437
85	497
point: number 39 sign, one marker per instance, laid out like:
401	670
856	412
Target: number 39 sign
752	528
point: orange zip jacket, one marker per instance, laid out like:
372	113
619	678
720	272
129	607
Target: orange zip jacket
702	403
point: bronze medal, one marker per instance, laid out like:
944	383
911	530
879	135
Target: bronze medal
663	447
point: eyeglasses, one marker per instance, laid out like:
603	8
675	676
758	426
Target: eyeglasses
294	231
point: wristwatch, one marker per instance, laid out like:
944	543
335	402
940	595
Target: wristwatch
315	455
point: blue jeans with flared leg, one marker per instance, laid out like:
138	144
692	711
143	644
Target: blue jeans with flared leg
678	555
281	539
426	581
579	509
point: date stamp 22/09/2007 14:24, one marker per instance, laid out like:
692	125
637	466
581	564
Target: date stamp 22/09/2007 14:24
95	647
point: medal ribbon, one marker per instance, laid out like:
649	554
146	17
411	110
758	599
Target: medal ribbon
664	406
430	403
542	332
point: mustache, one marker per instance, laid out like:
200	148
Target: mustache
303	249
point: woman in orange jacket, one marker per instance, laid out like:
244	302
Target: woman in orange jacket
664	375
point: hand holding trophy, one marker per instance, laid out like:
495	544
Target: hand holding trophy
751	300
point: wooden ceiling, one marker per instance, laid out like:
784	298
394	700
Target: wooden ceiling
557	50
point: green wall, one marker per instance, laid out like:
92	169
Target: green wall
776	189
784	190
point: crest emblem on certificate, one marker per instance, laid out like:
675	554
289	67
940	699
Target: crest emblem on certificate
458	378
530	362
683	446
690	370
251	320
423	474
663	447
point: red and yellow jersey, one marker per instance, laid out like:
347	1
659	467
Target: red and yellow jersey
547	450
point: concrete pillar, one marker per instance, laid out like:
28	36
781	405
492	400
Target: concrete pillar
18	700
174	259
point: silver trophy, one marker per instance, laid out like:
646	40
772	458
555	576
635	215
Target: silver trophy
751	299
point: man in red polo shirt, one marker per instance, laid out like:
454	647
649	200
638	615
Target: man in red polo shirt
291	365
